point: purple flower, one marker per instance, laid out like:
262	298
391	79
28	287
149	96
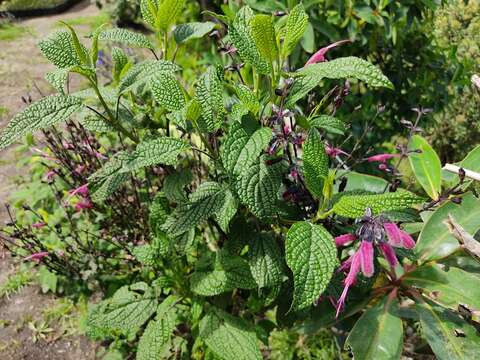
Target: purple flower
80	169
37	256
382	157
319	56
373	231
81	190
334	152
50	175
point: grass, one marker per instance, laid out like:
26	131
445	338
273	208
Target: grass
3	111
15	282
9	31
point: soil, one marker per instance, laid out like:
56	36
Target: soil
22	70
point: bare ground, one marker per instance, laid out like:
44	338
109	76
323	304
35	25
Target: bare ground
22	70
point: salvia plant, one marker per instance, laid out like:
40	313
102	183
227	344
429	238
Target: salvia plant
257	219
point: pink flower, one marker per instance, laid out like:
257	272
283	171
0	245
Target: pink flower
349	280
68	146
38	225
37	256
398	237
50	175
319	56
286	130
81	190
80	169
382	157
389	254
344	239
334	152
83	204
366	258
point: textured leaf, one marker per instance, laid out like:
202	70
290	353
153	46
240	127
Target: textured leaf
258	187
359	181
311	254
144	72
353	206
347	67
378	334
230	273
435	241
204	203
248	98
329	124
39	115
120	62
297	22
441	326
174	184
227	211
193	30
168	12
58	78
149	10
96	123
266	261
129	308
167	92
159	150
448	287
426	166
105	181
209	94
263	34
227	336
127	37
315	163
59	49
240	35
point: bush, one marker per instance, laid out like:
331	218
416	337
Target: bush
219	206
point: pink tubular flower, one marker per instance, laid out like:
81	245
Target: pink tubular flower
366	258
50	175
349	280
389	254
382	157
81	190
80	169
38	225
37	256
319	56
397	237
83	204
334	152
344	239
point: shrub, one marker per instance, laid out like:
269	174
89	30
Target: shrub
258	221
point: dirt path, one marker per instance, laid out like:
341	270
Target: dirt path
22	70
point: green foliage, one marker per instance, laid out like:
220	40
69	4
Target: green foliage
295	28
127	37
263	34
209	94
315	163
190	31
310	254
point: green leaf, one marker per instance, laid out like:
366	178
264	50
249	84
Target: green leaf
435	241
155	341
105	181
58	78
144	72
167	92
227	211
441	326
329	123
347	67
263	34
426	166
209	94
315	163
297	22
353	206
80	50
120	63
204	203
127	37
160	150
59	49
258	187
311	254
266	260
449	287
39	115
173	185
168	12
124	313
247	98
227	336
242	39
230	273
149	10
378	334
48	280
194	30
359	181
